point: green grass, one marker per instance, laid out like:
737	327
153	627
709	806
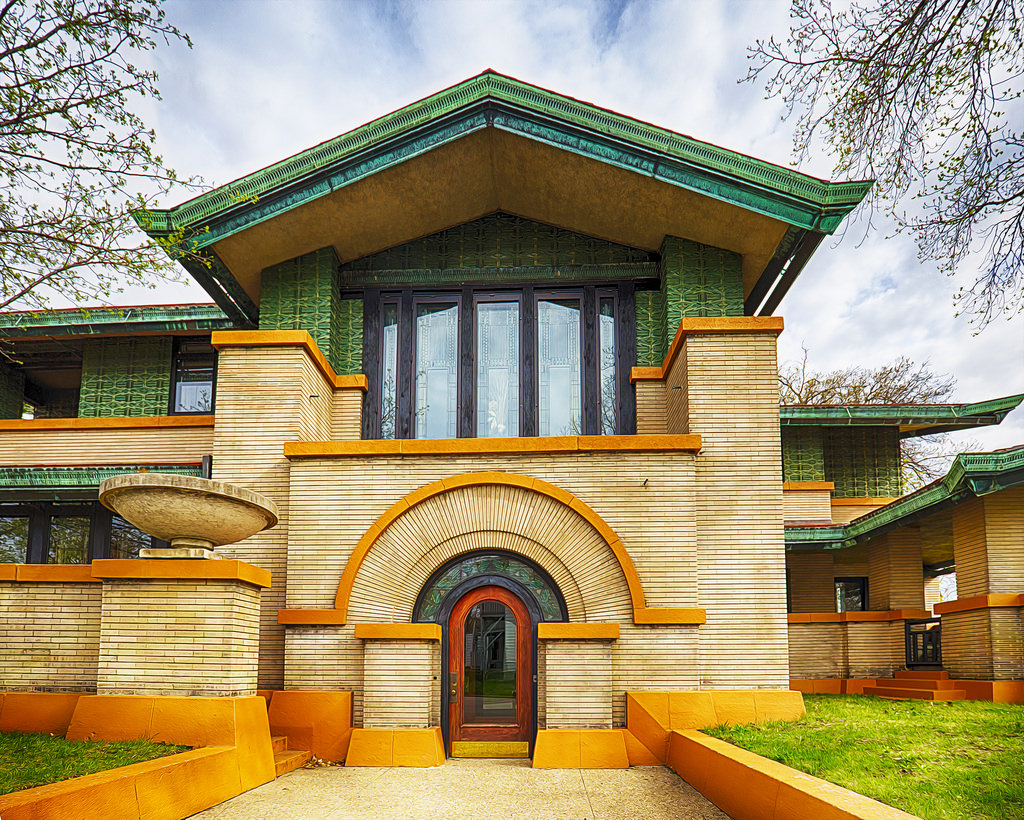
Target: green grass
28	760
938	761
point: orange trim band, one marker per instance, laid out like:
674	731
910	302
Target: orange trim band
670	616
700	326
398	632
577	632
48	573
108	423
289	338
807	486
310	617
355	561
856	617
492	446
979	602
216	570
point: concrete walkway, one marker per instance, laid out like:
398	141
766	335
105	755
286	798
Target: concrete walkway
478	789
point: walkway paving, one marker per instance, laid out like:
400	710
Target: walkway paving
478	789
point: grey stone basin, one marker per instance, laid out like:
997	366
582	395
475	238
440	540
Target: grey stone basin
194	514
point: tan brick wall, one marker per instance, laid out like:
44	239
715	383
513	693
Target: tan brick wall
347	416
875	649
650	407
896	571
265	397
969	549
67	448
178	638
49	636
967	644
845	513
732	403
401	681
811	581
579	684
817	651
846	650
806	505
1004	534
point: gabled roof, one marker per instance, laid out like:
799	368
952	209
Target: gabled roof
912	419
494	143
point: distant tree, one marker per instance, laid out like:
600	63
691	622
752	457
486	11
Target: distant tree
74	159
925	97
922	459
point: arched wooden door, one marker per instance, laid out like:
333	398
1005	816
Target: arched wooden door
490	673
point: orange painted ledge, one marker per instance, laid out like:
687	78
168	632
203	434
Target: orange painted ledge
48	573
577	632
807	486
484	478
108	423
693	326
856	617
311	617
417	748
492	446
214	570
398	632
670	616
580	749
978	602
289	338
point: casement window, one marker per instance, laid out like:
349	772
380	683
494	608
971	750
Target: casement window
851	594
499	363
193	377
48	533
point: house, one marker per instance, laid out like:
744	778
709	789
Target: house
506	363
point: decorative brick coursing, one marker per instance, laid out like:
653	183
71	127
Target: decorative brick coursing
578	684
68	448
868	649
178	638
895	570
49	637
401	684
811	581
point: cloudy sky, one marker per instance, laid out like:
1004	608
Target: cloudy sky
268	78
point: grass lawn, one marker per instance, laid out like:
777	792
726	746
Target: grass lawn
941	760
28	760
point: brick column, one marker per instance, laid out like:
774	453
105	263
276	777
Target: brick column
896	571
401	675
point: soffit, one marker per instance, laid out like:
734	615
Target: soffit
491	170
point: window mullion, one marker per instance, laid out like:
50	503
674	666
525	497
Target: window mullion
466	402
528	364
404	427
625	357
372	363
591	392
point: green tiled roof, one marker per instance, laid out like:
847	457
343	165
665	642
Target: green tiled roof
971	474
924	418
98	320
42	478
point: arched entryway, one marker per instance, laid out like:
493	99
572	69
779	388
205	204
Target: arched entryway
488	605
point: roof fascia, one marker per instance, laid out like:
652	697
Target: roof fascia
113	320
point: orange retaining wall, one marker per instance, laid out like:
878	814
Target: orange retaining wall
319	721
747	786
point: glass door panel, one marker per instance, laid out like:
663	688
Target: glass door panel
437	345
497	369
490	666
558	367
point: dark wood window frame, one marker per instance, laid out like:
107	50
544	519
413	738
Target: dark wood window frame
855	580
467	298
179	362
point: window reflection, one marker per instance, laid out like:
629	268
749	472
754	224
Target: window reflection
389	383
490	671
437	340
13	539
497	369
69	540
558	367
606	366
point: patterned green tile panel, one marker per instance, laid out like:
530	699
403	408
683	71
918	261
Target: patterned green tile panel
651	343
126	377
500	241
12	392
802	455
863	462
699	280
303	294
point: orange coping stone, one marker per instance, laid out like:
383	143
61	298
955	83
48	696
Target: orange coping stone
979	602
311	617
807	486
53	574
215	570
693	326
491	446
165	789
46	712
398	632
670	615
577	632
366	543
419	748
108	423
289	338
869	616
320	721
580	749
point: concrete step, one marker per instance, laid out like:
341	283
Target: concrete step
922	674
916	683
915	694
279	744
285	762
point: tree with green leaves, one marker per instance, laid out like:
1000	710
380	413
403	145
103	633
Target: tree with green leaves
922	459
925	97
74	159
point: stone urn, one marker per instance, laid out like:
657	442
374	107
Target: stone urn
193	514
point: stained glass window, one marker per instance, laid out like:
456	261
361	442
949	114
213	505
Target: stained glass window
433	596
